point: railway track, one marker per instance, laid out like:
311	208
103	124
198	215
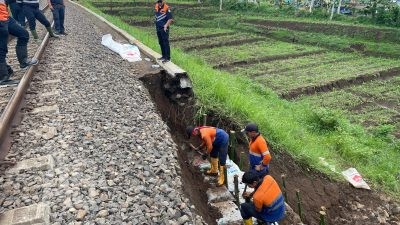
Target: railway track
82	147
11	96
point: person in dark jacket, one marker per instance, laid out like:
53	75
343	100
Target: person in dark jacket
9	26
58	9
16	11
33	13
163	19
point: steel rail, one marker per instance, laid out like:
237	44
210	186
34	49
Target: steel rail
13	106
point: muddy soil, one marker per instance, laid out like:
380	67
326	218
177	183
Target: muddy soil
345	205
388	35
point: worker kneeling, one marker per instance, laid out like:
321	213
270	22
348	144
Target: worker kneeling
216	141
268	203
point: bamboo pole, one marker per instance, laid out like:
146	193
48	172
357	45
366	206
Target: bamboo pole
283	176
300	210
236	182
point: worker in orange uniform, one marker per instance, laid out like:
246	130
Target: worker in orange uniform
163	19
259	154
216	141
9	26
268	203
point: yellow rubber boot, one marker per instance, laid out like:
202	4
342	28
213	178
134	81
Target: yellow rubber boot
248	221
213	171
221	177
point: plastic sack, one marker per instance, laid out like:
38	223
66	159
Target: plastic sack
355	178
126	51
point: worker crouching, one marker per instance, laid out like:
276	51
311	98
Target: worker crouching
216	141
268	203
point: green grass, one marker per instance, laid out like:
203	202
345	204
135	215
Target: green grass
265	48
325	73
336	42
305	133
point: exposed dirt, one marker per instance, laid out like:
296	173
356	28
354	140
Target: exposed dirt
341	83
186	38
224	43
344	204
252	61
389	35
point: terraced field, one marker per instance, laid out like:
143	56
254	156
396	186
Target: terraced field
352	69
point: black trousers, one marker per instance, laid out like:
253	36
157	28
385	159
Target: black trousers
163	40
33	13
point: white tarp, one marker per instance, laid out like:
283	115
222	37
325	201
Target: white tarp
355	178
232	169
126	51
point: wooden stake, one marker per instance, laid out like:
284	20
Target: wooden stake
226	177
241	160
299	205
322	215
232	145
236	182
283	176
204	119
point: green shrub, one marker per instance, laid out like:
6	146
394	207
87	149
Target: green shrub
324	120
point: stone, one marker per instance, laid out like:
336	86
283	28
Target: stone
33	214
80	215
102	213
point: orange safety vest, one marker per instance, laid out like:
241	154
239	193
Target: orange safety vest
267	194
163	10
3	11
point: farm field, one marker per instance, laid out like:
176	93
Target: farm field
353	71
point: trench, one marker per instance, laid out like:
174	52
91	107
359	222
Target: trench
177	114
177	108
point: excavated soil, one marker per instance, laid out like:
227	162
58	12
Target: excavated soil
344	204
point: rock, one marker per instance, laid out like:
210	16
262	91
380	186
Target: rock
395	210
93	192
183	219
102	213
80	215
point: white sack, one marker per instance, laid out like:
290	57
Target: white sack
355	178
126	51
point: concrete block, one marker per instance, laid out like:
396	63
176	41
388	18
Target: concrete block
37	214
52	108
41	163
219	194
230	213
52	93
56	81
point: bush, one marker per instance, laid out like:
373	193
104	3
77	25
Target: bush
323	120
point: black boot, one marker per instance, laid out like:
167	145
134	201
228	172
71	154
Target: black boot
22	55
10	70
3	73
